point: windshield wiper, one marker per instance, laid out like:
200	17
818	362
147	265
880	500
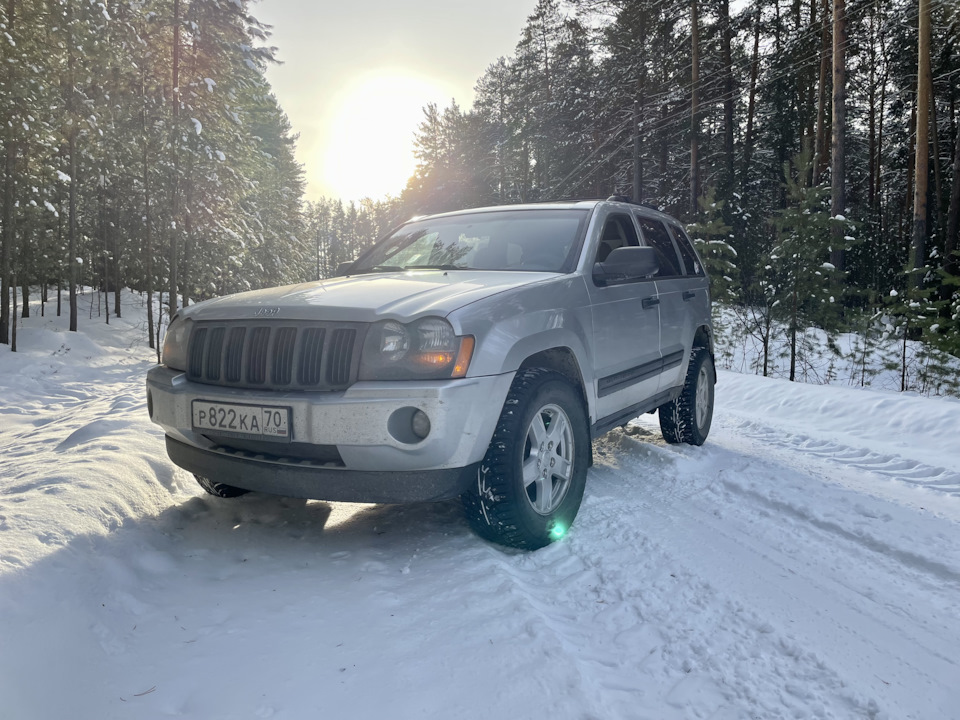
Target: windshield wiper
435	267
378	268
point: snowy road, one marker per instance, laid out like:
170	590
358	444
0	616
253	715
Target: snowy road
804	563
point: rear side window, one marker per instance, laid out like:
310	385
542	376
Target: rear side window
690	259
655	233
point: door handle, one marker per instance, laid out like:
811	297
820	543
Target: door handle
650	302
689	294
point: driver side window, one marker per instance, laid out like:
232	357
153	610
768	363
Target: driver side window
618	231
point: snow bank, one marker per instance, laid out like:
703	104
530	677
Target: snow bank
906	423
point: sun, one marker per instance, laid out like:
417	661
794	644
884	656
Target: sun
370	141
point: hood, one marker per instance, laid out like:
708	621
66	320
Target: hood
367	298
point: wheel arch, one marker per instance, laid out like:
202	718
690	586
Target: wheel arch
561	360
703	337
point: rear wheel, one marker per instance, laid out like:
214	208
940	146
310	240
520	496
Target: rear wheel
688	418
530	483
219	489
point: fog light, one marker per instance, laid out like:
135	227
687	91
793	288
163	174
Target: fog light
420	424
150	404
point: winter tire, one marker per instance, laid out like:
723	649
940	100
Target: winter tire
219	489
688	418
530	483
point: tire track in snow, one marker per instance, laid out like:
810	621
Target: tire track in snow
894	467
810	582
861	515
651	623
943	572
726	646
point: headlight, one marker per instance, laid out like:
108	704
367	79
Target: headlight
427	349
175	343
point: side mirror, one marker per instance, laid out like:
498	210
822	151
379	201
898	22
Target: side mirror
625	264
344	268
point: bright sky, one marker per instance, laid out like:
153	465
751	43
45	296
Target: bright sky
356	76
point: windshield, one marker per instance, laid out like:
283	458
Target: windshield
532	240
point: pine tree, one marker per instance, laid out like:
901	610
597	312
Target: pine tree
800	280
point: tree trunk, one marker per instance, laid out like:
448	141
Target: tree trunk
187	247
872	114
72	225
147	221
117	282
694	107
903	357
106	272
9	197
751	103
60	234
728	99
6	246
937	182
820	163
793	339
159	324
922	157
637	169
838	198
911	155
883	104
13	329
175	185
951	264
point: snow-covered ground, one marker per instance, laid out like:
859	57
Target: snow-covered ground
804	563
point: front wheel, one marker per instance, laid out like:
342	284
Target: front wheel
530	483
688	418
219	489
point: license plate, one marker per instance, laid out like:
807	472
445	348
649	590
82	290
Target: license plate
249	421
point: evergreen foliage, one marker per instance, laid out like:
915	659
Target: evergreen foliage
108	165
113	176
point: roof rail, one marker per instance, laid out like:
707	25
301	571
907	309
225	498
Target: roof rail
625	199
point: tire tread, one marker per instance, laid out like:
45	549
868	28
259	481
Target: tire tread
486	508
678	422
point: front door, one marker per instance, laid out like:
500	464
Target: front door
626	329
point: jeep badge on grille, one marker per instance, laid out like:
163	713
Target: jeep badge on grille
266	311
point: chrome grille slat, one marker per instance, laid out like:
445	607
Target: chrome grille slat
197	348
257	355
281	354
214	353
281	365
311	356
341	352
233	362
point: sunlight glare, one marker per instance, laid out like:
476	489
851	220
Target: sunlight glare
370	146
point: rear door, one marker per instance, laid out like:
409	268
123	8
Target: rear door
675	334
696	285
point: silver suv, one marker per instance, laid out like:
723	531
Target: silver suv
472	354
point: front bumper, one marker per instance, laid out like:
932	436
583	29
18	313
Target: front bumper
463	415
323	483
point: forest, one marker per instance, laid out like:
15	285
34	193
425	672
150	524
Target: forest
811	147
142	148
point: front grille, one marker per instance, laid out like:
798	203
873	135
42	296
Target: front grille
275	355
